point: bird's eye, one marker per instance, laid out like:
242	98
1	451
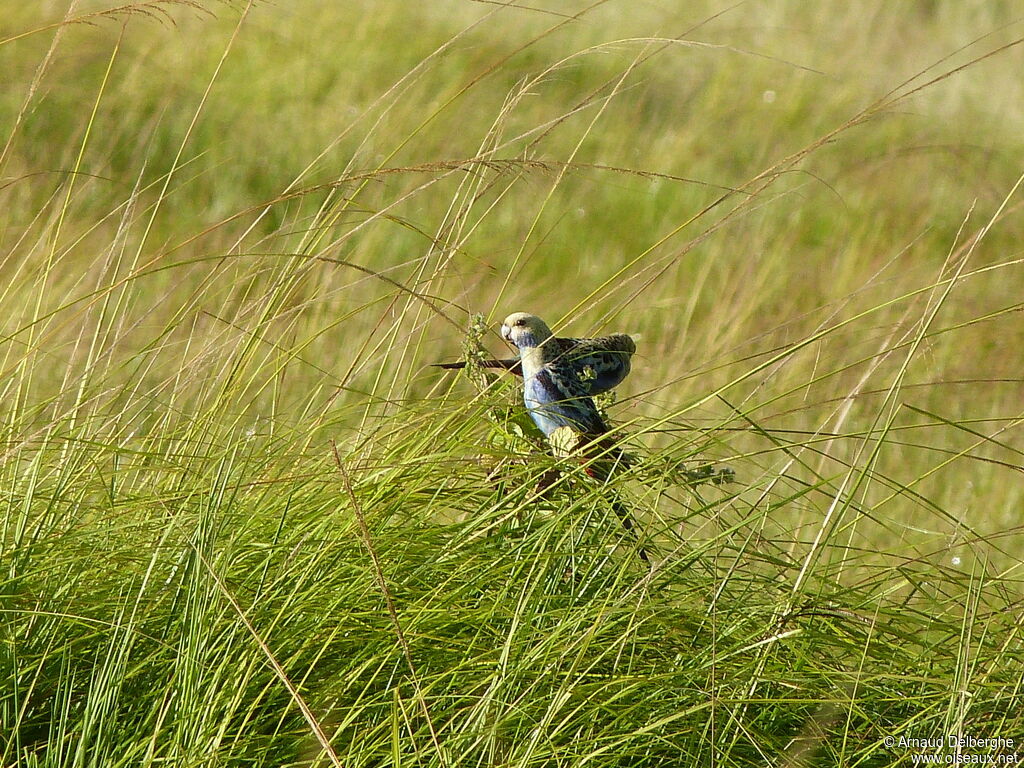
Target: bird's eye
520	321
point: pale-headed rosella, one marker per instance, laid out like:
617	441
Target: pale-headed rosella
560	375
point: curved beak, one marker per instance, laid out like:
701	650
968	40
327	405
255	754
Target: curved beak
506	333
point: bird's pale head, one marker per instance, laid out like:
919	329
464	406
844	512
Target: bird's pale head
525	330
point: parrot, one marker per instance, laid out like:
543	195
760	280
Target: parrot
560	376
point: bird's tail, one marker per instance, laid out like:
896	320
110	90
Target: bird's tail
603	458
627	522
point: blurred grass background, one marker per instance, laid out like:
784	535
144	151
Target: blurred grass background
233	232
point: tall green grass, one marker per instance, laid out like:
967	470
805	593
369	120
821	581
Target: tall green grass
246	523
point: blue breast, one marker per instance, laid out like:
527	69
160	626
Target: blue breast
550	409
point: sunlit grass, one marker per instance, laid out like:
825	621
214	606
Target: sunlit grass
234	238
